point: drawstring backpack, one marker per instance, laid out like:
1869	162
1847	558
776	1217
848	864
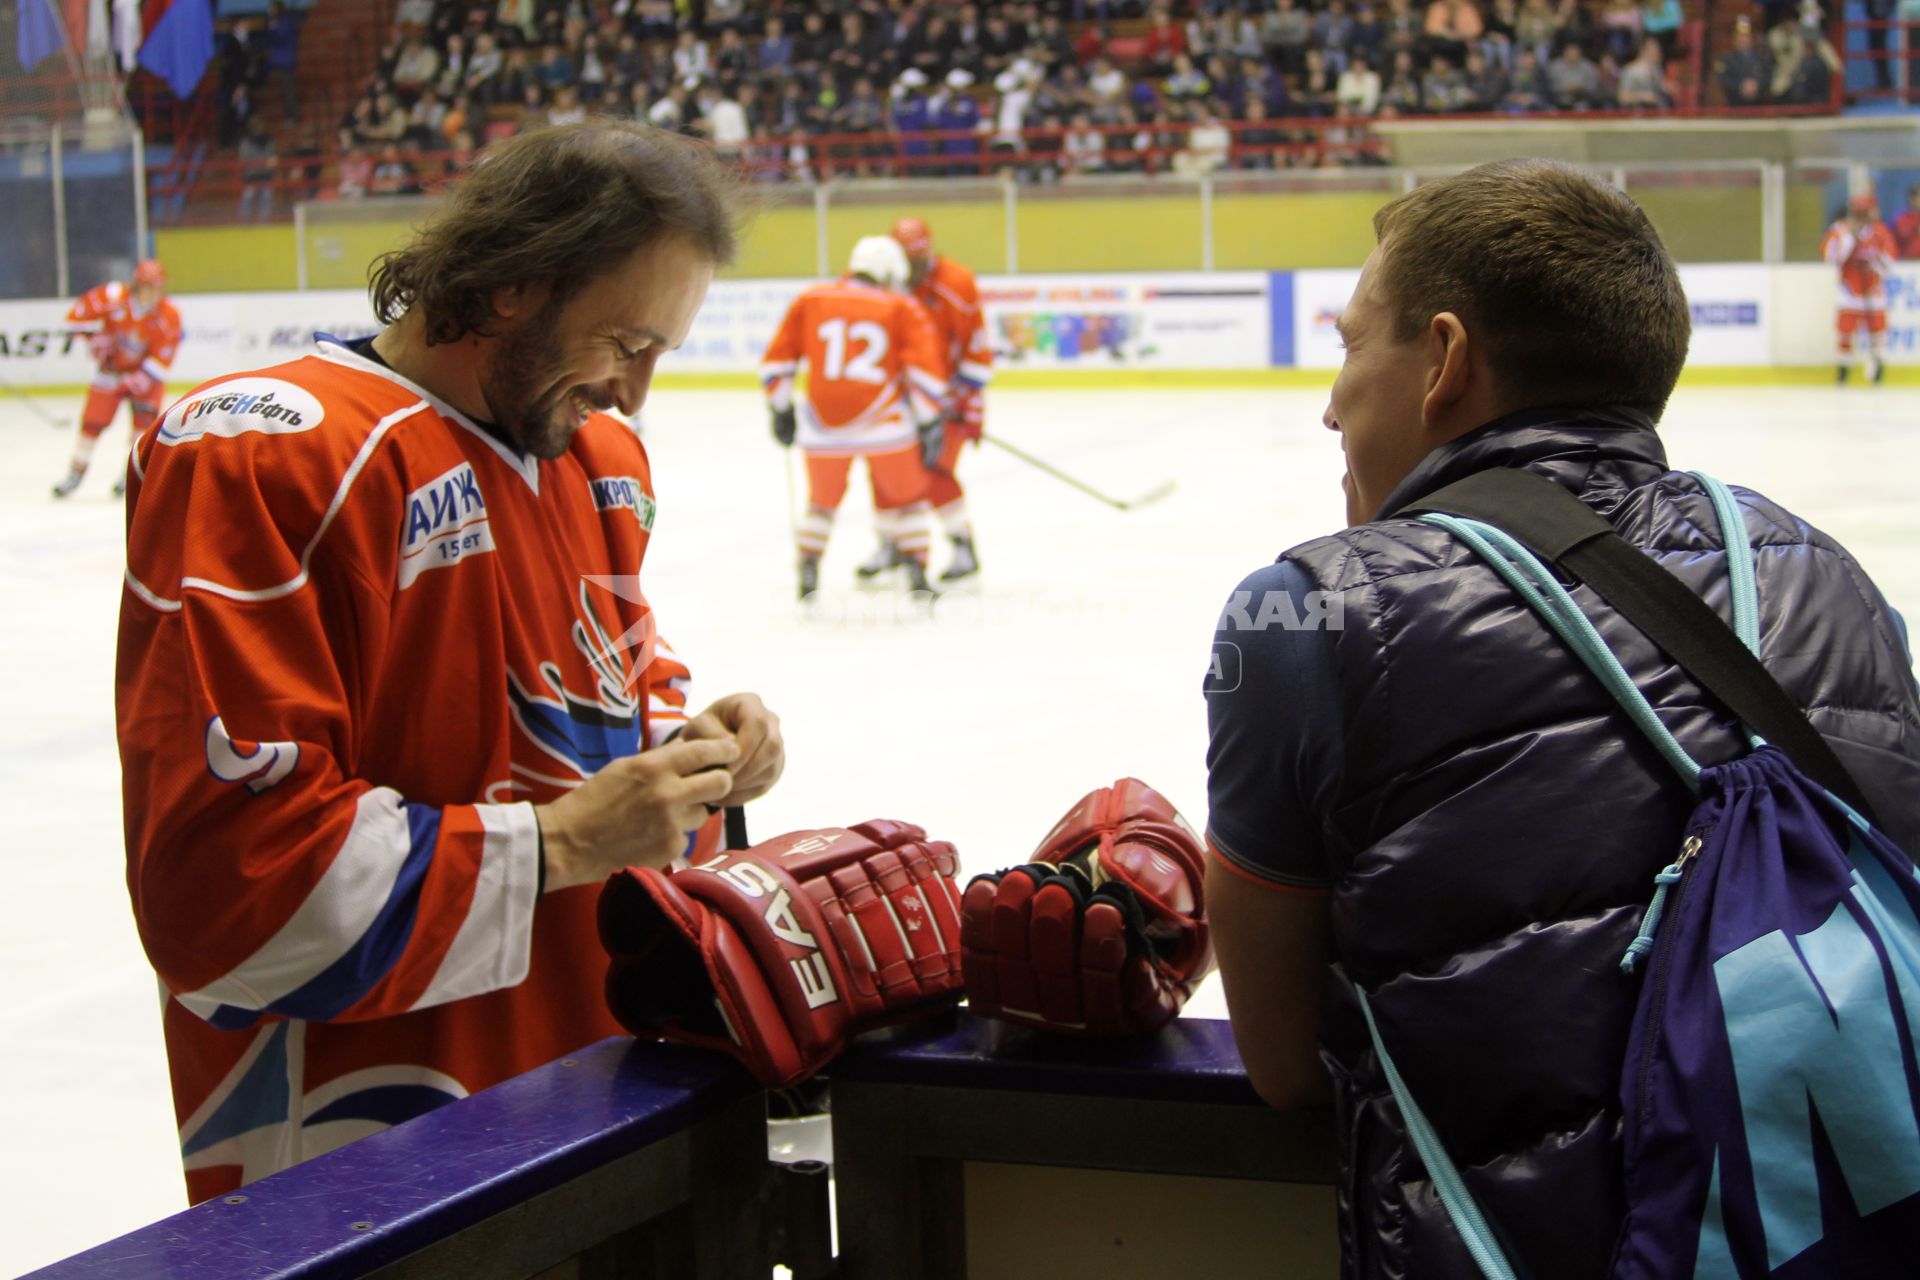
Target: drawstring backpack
1771	1093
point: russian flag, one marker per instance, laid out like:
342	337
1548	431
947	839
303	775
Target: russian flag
178	41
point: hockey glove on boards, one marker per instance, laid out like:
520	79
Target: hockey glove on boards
782	953
784	426
1104	931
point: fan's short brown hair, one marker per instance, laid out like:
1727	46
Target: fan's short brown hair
1560	277
553	207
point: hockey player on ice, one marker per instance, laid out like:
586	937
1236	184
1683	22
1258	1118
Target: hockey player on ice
1860	245
876	377
138	335
952	297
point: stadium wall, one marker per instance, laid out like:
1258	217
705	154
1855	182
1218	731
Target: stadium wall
1751	322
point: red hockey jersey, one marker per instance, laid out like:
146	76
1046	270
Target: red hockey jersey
128	338
359	637
951	296
875	366
1865	258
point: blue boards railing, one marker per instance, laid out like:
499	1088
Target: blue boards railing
647	1161
651	1158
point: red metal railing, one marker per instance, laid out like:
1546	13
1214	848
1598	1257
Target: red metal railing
1905	89
64	97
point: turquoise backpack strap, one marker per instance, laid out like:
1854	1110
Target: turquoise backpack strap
1574	538
1539	588
1447	1183
1733	535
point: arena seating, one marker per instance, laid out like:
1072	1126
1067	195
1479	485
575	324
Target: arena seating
1114	87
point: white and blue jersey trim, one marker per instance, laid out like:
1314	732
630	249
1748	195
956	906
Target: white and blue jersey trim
355	924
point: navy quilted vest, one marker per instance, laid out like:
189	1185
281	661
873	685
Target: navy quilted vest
1494	824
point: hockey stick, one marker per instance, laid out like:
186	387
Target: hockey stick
33	406
1154	494
793	505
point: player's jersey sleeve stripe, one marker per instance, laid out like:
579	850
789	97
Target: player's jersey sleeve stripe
775	369
367	897
147	596
973	374
926	384
924	394
494	945
951	298
668	699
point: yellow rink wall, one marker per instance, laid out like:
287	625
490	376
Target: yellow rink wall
1057	229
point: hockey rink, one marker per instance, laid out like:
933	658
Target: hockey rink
1074	659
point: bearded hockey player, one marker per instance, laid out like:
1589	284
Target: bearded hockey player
391	703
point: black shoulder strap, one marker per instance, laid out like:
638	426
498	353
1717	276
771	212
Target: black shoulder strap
1559	528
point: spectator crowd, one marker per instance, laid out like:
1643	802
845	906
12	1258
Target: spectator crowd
1048	89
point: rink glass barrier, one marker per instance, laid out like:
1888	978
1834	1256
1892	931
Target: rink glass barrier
1706	210
1054	328
73	193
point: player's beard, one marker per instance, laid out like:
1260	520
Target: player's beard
524	392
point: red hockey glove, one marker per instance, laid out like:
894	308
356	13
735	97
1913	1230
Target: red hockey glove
1104	931
781	953
965	421
140	387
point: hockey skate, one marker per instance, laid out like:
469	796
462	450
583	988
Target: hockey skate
809	576
885	557
1876	369
963	564
120	485
917	583
67	486
1840	374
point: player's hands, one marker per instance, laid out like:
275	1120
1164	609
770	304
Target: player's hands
102	348
933	438
636	812
744	720
784	426
141	387
966	420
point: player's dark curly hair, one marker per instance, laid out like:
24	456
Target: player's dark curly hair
553	207
1560	276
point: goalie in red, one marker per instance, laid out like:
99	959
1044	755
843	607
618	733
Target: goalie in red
1860	245
138	335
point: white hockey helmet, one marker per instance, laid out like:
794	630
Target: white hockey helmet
880	259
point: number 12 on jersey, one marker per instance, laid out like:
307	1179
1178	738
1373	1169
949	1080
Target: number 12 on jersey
865	364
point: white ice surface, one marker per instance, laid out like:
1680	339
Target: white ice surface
1077	659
